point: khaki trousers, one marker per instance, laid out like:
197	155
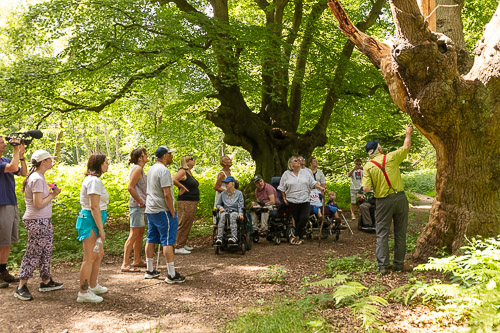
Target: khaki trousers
186	212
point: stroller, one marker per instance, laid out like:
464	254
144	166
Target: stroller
331	225
244	233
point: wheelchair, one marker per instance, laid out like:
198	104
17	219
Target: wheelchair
279	224
367	227
244	232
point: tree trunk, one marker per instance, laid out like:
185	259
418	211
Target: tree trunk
458	114
58	145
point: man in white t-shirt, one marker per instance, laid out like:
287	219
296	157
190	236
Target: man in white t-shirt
162	218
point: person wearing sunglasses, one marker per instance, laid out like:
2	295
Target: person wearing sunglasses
296	184
187	202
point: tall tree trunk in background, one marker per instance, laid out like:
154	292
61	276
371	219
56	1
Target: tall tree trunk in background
117	147
106	140
58	145
459	114
88	145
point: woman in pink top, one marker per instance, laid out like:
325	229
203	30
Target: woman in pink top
38	222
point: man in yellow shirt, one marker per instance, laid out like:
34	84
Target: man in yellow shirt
382	174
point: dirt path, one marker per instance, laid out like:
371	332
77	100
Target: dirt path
217	289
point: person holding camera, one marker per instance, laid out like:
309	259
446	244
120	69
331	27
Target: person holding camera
9	214
38	222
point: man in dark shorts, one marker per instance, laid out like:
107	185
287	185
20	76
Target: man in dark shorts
9	215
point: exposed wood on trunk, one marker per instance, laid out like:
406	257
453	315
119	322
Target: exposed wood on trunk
458	114
427	8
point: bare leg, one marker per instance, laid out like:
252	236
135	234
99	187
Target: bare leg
138	233
88	263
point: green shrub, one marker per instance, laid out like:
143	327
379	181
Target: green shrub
420	181
351	264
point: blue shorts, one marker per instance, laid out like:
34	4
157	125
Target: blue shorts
137	217
85	222
162	228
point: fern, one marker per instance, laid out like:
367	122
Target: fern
330	282
366	309
473	295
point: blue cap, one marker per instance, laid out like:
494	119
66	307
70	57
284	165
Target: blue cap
229	179
162	150
371	146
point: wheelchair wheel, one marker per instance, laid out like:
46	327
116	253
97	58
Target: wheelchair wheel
290	231
337	235
249	240
243	247
360	223
324	233
217	249
255	237
277	240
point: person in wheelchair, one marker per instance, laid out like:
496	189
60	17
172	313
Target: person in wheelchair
316	206
230	202
366	205
267	197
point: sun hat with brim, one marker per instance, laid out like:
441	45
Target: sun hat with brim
40	155
229	179
162	150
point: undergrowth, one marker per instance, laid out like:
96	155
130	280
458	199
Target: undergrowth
473	292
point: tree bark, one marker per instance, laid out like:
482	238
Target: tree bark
459	114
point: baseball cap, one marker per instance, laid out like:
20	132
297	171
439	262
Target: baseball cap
229	179
40	155
162	150
371	146
256	178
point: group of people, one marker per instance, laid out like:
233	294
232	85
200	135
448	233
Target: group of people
153	196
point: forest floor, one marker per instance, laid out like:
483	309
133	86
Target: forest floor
217	289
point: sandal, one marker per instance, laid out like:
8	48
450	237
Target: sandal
130	269
296	241
141	264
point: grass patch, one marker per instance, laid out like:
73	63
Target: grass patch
285	315
352	265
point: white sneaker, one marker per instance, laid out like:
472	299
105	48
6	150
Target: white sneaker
189	248
98	289
182	251
88	297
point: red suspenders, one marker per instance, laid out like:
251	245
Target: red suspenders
382	168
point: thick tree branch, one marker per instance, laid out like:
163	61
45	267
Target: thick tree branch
409	22
378	53
300	65
126	87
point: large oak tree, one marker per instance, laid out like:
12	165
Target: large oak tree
454	102
265	64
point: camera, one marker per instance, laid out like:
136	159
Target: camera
26	137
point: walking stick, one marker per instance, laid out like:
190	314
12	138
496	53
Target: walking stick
352	233
322	223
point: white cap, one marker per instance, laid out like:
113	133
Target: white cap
40	155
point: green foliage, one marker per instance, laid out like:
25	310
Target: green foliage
286	315
356	296
420	181
273	274
473	294
352	264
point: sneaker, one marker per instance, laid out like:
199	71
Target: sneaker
182	251
50	286
98	289
6	277
218	242
188	248
88	297
176	279
152	274
383	270
232	240
353	217
23	294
